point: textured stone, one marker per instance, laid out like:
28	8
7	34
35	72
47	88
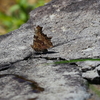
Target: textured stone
73	24
60	82
75	31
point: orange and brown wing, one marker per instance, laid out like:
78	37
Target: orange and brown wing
41	42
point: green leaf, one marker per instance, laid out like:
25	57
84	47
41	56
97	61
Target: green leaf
76	60
14	8
18	14
23	16
23	2
94	89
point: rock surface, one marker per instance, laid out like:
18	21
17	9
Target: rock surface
91	71
60	82
75	29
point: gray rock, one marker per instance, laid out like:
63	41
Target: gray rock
91	71
60	82
88	65
74	26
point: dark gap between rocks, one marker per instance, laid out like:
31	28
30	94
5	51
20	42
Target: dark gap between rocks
32	98
95	81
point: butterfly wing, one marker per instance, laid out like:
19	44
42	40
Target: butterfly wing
41	42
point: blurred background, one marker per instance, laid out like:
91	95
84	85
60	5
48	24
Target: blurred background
13	13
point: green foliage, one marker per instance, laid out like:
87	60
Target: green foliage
76	60
18	14
95	90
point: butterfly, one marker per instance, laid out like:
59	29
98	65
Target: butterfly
40	41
